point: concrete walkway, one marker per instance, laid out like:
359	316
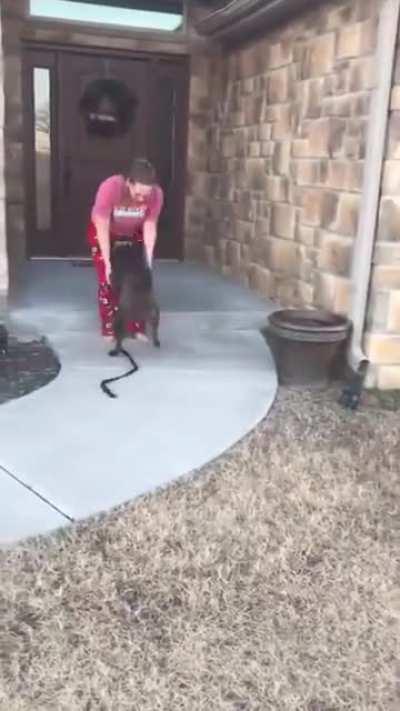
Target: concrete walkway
67	451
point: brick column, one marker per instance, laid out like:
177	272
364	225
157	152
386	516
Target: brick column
14	13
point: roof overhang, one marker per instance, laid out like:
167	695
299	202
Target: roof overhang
234	21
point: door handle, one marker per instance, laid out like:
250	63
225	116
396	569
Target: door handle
67	176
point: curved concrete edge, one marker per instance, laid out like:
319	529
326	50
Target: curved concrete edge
83	454
81	482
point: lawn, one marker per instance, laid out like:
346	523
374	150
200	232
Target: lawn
267	581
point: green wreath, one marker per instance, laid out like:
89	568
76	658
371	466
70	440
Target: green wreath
108	108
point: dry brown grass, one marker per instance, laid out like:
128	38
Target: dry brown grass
268	581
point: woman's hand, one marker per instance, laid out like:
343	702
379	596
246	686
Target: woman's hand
150	239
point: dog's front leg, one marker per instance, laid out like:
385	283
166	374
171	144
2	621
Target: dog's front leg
119	330
155	324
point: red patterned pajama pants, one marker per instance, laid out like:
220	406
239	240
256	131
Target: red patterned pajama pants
106	297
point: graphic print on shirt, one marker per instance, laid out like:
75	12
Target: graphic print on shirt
137	213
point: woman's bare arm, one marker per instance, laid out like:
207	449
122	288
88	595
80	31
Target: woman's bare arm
102	225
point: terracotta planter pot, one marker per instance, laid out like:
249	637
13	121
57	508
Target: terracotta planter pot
308	346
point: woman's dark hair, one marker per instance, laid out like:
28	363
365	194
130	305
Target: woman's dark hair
141	171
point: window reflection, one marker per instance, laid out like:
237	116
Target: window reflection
42	147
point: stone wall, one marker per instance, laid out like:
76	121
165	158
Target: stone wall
383	340
3	233
277	144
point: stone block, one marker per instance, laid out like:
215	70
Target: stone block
267	149
395	98
357	39
283	220
247	62
389	377
344	175
387	253
256	174
308	172
386	277
362	74
383	349
210	256
261	280
276	188
306	294
311	94
301	148
361	105
335	253
254	110
278	86
320	56
332	293
326	136
221	249
341	106
255	149
393	321
282	127
233	253
265	132
354	148
393	144
306	235
228	146
319	207
280	54
244	231
282	157
378	308
391	178
347	214
389	220
259	250
283	256
262	227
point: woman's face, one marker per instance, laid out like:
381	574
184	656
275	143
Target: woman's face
138	191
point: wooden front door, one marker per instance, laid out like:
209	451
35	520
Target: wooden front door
66	160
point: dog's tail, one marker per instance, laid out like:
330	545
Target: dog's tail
105	383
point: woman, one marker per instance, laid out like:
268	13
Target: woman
127	207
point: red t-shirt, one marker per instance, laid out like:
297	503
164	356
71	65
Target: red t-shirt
114	201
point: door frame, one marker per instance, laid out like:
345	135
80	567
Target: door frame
31	46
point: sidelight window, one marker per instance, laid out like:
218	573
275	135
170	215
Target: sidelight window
42	146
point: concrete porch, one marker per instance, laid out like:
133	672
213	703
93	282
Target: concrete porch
68	452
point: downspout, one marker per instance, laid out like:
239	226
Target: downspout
369	212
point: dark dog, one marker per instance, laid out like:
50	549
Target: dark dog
132	281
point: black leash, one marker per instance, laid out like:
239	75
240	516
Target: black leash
105	383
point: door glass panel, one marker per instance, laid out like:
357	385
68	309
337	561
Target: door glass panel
42	146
